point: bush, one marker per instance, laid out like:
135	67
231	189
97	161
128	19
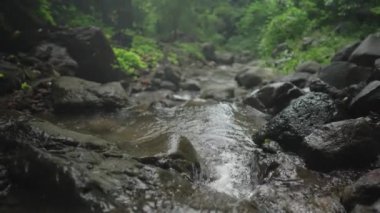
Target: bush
147	49
287	26
44	11
128	61
193	50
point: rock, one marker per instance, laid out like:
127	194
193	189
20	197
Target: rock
273	98
249	78
300	79
298	120
367	52
311	67
168	85
172	74
208	51
11	78
71	93
283	184
218	92
345	53
377	64
176	152
344	74
224	58
90	49
367	100
364	192
191	85
57	57
344	144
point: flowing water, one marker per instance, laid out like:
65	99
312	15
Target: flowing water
220	133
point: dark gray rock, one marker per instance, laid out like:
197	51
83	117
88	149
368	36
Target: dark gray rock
224	58
343	144
71	93
300	79
218	92
377	64
311	67
344	74
298	120
208	51
364	192
168	85
345	53
368	100
11	78
249	78
191	85
282	183
367	52
91	50
273	98
57	57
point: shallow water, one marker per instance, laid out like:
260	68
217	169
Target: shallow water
220	133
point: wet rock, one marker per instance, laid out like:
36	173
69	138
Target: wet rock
345	53
343	144
283	184
178	153
273	98
11	78
368	100
57	57
367	52
311	67
363	193
224	58
71	93
377	64
93	53
168	85
191	85
208	51
218	92
298	120
343	74
249	78
300	79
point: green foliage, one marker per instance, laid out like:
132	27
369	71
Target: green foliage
173	58
2	75
328	44
44	11
25	86
191	49
287	26
128	60
147	49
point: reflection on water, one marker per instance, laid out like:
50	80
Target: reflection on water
219	132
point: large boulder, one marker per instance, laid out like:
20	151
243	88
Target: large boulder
364	192
93	53
368	100
274	97
344	74
71	93
367	52
208	51
345	53
57	57
343	144
298	120
300	79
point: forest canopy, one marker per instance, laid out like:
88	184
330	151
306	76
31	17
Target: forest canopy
290	31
